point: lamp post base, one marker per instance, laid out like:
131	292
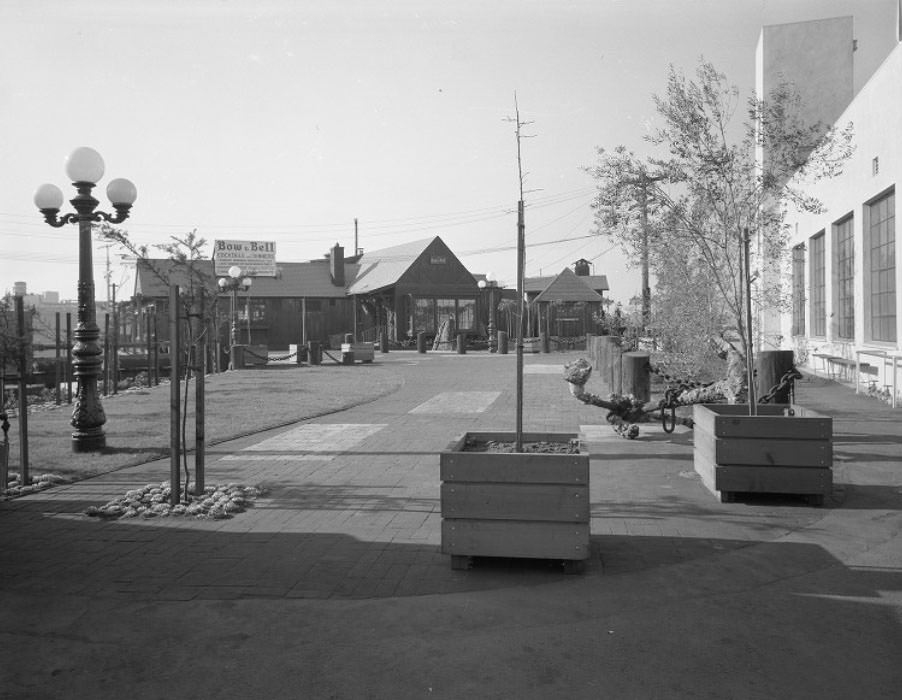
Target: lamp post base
88	441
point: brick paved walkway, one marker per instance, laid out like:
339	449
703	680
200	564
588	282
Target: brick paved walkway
351	507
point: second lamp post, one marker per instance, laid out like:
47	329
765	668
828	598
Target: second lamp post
491	285
233	283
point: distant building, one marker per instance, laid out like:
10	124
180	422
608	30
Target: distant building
400	291
566	304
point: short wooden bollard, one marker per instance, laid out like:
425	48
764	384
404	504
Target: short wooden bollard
636	379
502	343
314	352
609	356
770	366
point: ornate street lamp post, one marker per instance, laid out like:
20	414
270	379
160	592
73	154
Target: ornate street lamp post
232	284
85	167
491	284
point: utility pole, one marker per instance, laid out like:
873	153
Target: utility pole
109	274
643	182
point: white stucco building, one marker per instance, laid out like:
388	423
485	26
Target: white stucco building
846	274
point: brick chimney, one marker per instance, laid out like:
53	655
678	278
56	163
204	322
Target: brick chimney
337	265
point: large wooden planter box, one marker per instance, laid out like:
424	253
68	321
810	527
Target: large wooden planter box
768	453
526	505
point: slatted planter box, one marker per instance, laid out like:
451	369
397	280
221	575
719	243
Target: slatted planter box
768	453
522	505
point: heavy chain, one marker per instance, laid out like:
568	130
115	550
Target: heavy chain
787	381
269	358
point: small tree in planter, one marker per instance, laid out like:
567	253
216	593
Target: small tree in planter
516	494
199	305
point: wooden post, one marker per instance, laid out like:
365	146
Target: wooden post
23	390
115	349
155	348
106	354
199	420
69	358
174	404
636	379
770	366
58	365
609	368
147	346
521	260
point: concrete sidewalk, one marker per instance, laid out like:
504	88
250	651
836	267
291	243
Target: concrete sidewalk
333	585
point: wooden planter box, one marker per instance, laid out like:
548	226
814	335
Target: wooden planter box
526	505
768	453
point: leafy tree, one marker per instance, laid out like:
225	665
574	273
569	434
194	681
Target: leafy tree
710	197
694	213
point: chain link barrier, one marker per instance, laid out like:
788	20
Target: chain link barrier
270	358
674	394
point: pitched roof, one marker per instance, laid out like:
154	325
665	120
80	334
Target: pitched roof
535	285
383	268
298	279
568	286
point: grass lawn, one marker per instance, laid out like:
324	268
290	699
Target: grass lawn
237	404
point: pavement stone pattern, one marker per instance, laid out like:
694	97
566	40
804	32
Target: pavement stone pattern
308	442
351	508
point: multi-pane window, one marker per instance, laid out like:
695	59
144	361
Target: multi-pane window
844	270
466	313
882	255
424	315
430	313
798	290
818	286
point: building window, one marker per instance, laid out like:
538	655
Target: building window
445	310
424	315
466	313
844	270
798	290
875	166
881	246
818	286
429	314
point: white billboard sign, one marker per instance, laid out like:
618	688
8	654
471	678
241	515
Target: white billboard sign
255	258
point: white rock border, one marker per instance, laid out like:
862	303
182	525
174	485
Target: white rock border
15	487
152	501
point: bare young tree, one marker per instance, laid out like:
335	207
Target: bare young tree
197	297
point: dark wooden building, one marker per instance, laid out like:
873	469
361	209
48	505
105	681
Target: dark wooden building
400	291
565	305
413	288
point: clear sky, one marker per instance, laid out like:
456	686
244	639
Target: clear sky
284	120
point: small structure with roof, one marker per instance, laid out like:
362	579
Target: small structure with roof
565	305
